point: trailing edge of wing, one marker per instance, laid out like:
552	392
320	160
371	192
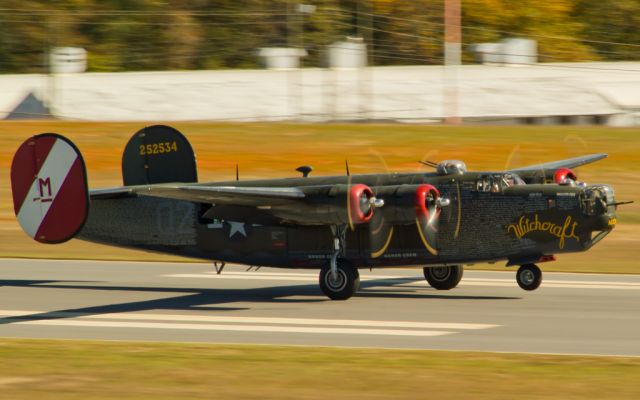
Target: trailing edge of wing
111	193
568	163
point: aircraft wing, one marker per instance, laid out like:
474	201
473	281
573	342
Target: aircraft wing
227	195
306	205
568	163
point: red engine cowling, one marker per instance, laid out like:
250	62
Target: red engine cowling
564	173
426	202
360	207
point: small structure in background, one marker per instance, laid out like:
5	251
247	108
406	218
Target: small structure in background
30	107
350	53
512	51
282	57
68	60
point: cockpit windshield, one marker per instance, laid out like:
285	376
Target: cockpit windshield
496	183
511	179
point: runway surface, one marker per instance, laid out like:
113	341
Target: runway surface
395	308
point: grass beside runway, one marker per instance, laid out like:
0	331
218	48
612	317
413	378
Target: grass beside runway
274	150
130	370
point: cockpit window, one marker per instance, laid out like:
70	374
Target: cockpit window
510	179
496	183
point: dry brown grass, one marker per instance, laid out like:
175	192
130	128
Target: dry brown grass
275	150
106	370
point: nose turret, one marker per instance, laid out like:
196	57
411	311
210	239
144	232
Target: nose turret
599	204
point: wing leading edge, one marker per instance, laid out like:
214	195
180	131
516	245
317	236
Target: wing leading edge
228	195
568	163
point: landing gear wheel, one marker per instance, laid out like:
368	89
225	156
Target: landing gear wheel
443	278
344	285
529	277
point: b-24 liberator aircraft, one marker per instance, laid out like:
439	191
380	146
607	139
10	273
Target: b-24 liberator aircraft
440	220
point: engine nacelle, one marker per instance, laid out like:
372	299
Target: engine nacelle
406	203
336	205
427	202
564	176
360	204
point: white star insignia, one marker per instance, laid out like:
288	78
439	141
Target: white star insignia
236	227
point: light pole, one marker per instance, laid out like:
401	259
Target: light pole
295	80
452	59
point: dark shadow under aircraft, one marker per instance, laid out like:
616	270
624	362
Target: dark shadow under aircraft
440	220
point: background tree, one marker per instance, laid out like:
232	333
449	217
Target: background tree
131	35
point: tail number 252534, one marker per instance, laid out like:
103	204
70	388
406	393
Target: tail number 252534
158	148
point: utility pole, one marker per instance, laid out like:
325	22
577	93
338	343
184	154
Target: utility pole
293	78
364	21
295	42
51	77
452	60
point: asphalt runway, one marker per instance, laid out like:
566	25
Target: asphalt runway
395	308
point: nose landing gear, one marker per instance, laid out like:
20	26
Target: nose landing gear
529	277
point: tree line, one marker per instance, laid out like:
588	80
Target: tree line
132	35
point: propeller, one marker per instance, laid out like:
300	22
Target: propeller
381	229
455	196
428	206
407	204
361	203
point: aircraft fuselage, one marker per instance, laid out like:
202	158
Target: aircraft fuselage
484	222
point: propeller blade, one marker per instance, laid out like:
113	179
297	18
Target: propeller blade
380	231
428	216
380	235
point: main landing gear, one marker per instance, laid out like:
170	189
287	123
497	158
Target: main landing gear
339	280
443	278
529	277
342	284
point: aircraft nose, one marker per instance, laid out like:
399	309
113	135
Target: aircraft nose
598	202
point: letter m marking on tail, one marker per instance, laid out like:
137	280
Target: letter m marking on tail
45	190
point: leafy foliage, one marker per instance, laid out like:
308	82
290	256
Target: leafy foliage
130	35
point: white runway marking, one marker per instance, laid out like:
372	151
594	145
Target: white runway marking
242	324
236	328
494	282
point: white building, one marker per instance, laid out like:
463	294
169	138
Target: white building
607	93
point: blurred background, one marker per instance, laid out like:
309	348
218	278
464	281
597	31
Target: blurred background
477	61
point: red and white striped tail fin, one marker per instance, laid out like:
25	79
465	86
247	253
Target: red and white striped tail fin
49	184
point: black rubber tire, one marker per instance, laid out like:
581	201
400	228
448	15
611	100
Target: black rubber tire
443	278
347	284
529	277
